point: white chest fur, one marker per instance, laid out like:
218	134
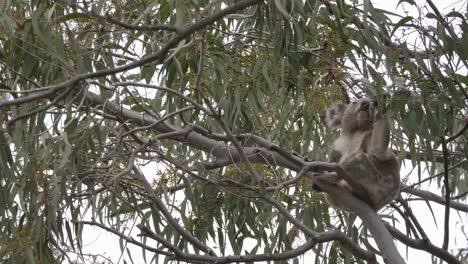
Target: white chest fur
348	145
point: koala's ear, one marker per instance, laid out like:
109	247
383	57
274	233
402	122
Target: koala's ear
334	115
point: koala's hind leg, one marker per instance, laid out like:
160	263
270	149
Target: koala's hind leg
362	169
330	177
380	138
335	173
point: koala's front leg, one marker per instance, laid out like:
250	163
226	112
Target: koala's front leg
380	138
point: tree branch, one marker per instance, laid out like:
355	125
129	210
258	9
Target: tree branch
159	205
459	133
456	165
434	197
413	218
370	218
447	193
422	244
40	109
124	237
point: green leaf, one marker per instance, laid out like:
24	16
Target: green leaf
456	14
266	75
69	235
411	2
400	23
431	15
282	10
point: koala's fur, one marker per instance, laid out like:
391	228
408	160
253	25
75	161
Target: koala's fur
362	152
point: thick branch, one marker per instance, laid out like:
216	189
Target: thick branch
370	218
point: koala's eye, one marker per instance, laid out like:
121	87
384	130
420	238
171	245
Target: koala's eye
354	103
332	112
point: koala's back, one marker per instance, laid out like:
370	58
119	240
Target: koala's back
382	185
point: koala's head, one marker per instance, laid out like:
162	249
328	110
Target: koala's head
357	115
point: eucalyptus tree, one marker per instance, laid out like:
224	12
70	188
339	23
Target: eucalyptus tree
194	122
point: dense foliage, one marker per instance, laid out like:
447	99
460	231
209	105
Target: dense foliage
122	113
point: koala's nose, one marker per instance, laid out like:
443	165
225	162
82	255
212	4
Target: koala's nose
364	106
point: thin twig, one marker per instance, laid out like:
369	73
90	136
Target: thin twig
124	237
40	109
459	133
409	224
112	20
426	195
169	90
162	119
159	205
412	217
456	165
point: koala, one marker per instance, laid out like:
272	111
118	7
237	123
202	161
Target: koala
361	153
